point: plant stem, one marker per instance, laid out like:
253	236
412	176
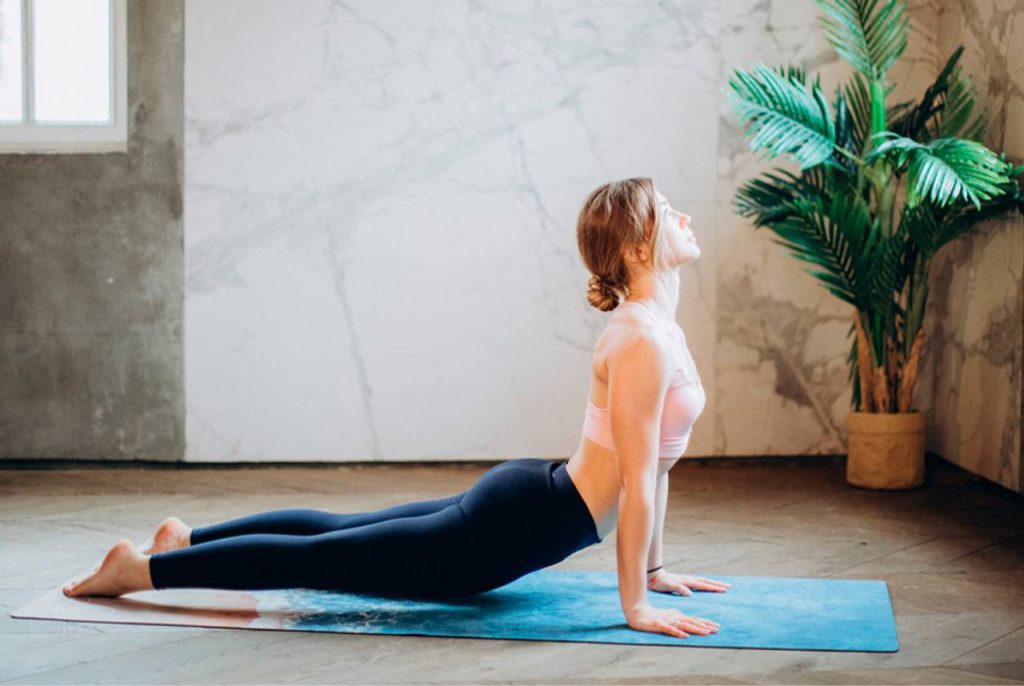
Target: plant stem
843	151
917	298
886	197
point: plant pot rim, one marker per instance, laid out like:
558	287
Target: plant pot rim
886	422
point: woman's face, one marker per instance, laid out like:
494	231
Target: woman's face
680	241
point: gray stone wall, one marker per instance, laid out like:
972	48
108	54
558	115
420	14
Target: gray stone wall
91	283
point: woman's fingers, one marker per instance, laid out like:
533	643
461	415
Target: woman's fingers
694	629
706	586
675	623
674	630
702	584
695	625
702	623
700	628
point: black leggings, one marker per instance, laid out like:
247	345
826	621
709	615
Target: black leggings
520	516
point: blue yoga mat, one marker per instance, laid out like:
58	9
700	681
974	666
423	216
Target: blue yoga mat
548	605
559	605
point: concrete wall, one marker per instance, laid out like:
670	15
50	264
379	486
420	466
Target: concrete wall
92	276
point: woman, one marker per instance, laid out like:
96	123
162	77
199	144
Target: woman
523	514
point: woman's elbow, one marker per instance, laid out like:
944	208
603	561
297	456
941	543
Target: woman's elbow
637	494
634	482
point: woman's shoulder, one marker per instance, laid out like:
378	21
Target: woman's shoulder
629	333
628	324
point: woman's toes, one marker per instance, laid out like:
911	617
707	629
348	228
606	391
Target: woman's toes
114	576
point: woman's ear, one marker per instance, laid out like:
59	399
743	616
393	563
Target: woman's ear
635	256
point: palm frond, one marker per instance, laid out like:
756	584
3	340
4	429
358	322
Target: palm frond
783	117
850	219
963	218
837	237
894	113
886	274
923	227
931	228
844	135
914	123
956	111
870	41
859	98
771	197
945	169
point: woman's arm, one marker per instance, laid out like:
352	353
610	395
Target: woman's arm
654	554
637	381
662	580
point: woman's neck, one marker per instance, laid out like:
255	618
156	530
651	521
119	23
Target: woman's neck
659	292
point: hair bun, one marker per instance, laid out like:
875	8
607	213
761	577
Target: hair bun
602	293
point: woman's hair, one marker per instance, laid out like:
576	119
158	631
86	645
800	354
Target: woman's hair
617	216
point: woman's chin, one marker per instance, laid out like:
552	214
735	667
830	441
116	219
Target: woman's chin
684	257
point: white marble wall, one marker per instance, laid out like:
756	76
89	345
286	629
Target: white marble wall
974	353
380	216
380	212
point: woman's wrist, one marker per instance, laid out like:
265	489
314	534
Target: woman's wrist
632	612
654	570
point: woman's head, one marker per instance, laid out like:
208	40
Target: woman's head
619	235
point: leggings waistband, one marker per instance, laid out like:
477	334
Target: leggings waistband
573	507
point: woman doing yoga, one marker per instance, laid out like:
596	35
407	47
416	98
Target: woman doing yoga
523	514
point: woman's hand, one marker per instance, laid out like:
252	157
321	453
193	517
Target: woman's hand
666	582
660	620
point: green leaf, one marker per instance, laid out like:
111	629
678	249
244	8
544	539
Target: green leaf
783	117
922	226
859	98
835	236
914	122
870	41
770	198
955	112
945	169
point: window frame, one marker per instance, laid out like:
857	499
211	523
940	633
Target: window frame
30	136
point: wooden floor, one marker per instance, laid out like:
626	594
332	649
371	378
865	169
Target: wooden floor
952	553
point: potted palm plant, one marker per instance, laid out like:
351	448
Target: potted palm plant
879	191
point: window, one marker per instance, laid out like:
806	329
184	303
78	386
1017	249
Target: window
63	76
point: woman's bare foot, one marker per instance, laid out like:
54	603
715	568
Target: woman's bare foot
123	570
172	534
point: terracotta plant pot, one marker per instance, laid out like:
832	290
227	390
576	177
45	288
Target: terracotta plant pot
886	450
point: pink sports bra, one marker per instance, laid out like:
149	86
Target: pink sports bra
684	401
